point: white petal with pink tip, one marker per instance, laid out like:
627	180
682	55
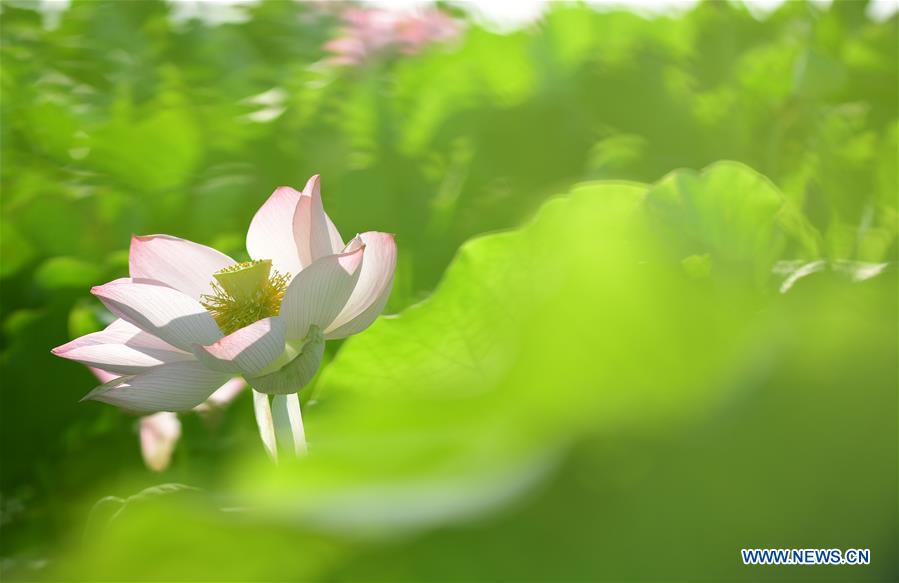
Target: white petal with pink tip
319	292
178	263
314	233
162	311
158	435
373	288
121	348
270	235
120	358
126	333
245	351
224	394
177	386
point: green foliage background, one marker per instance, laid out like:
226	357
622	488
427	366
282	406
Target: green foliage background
613	387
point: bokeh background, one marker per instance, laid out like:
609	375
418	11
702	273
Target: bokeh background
646	287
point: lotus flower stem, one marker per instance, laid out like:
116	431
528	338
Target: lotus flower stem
263	411
288	421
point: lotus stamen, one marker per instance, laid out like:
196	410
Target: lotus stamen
244	293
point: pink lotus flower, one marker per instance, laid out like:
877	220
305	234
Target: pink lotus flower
191	318
159	433
367	32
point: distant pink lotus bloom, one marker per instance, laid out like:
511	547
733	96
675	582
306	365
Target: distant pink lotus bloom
367	32
159	433
190	318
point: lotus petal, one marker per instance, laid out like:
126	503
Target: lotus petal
246	351
160	310
158	435
318	293
270	235
373	288
121	348
183	265
297	373
177	386
314	233
225	394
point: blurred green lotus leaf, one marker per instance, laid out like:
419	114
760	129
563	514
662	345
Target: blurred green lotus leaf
734	213
533	338
621	373
84	318
59	273
151	154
